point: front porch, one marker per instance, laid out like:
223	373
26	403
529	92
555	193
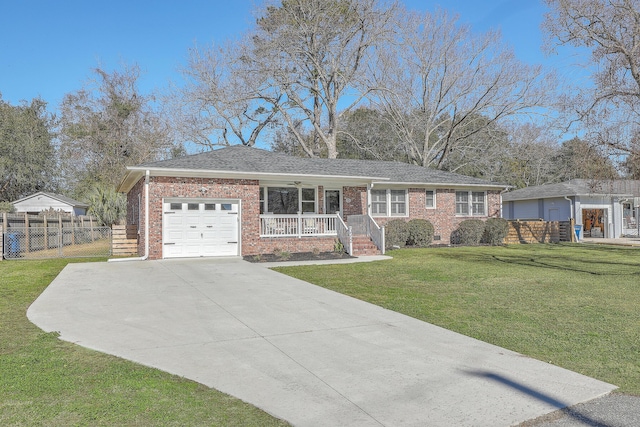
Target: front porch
298	225
361	236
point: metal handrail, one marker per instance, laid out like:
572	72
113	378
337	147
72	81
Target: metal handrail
365	224
345	234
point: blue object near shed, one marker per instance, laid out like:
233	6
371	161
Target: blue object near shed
13	242
578	229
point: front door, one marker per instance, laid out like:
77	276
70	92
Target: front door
332	202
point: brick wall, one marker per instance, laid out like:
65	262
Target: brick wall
354	201
245	190
443	217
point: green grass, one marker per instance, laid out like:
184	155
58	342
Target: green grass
575	306
48	382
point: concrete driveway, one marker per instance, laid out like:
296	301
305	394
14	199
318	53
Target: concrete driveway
302	353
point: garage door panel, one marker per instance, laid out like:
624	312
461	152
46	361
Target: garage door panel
200	229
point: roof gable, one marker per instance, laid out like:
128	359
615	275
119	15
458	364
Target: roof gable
66	200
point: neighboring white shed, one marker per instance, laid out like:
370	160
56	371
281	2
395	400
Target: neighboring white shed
41	201
604	208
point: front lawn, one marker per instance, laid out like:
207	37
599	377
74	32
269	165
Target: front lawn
575	306
49	382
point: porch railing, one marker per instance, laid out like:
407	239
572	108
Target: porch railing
345	235
299	225
364	224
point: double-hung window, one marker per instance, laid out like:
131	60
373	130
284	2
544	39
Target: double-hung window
398	202
389	203
471	203
379	202
430	199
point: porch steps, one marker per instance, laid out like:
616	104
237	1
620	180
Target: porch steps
363	246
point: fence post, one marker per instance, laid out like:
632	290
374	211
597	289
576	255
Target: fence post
91	226
27	233
60	235
46	232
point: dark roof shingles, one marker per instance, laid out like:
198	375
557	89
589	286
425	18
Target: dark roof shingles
247	159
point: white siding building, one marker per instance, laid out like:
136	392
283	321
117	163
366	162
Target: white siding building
603	208
41	201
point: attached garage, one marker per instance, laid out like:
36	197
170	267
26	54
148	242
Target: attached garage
200	228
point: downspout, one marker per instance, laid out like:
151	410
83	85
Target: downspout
570	206
146	225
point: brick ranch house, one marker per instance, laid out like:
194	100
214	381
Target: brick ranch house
246	201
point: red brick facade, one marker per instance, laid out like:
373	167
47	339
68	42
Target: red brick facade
443	216
247	192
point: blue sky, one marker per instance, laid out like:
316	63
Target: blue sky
48	48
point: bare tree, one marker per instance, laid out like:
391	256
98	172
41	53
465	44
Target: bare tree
107	126
300	67
444	84
610	29
221	103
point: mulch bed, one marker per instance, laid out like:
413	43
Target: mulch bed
303	256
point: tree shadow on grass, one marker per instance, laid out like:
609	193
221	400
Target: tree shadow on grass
589	260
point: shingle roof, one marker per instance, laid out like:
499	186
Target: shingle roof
576	187
241	159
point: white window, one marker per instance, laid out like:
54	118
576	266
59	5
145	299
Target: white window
471	203
287	200
389	203
430	199
398	202
308	200
379	202
478	199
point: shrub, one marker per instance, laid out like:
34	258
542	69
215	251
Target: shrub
469	232
395	234
7	207
420	233
495	230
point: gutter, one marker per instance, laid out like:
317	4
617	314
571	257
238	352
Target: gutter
146	225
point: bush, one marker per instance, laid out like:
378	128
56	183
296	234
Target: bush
7	207
469	233
420	233
495	230
395	234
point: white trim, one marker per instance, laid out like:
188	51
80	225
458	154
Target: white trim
470	213
434	198
203	200
388	213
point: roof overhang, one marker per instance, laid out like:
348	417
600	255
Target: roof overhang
440	185
135	173
563	195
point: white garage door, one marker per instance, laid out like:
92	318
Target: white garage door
200	228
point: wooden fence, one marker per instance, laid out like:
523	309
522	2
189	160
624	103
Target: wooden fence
539	232
124	240
8	220
49	236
